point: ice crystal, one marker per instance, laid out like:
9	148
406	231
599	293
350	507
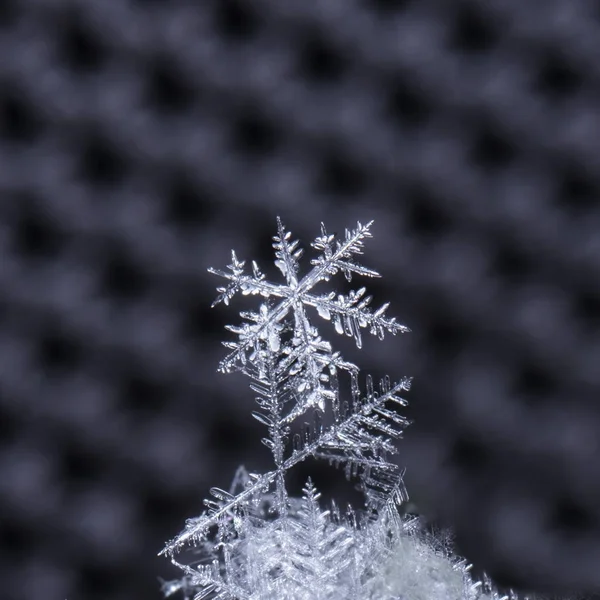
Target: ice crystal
255	541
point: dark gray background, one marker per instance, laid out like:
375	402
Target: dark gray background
141	140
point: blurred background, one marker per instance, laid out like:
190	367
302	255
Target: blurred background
142	140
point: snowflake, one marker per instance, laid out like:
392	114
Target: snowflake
254	541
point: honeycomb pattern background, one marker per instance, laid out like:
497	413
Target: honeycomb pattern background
141	140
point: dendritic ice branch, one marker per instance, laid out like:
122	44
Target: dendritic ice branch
255	541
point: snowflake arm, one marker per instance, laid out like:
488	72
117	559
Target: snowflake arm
224	505
350	441
286	254
351	313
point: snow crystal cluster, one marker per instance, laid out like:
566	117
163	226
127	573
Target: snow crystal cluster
257	542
